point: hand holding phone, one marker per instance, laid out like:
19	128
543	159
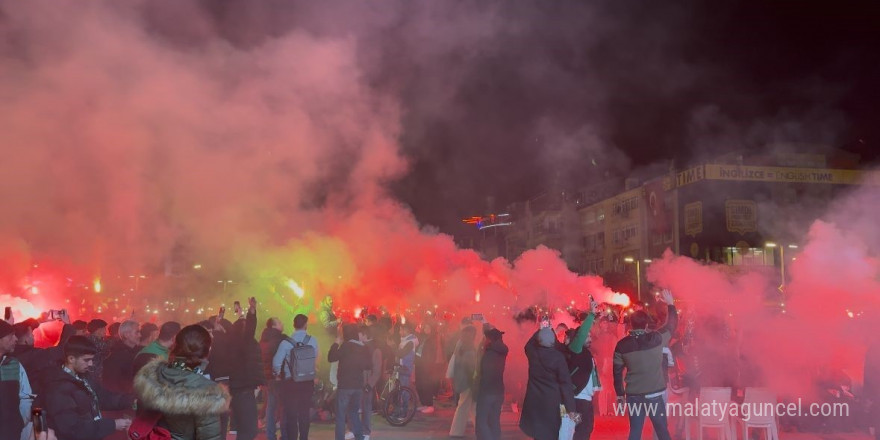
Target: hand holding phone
236	307
222	312
545	321
7	315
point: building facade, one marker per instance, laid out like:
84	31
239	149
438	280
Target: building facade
741	211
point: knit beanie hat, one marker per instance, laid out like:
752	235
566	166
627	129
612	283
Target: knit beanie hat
6	329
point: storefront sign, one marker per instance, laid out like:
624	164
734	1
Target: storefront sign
743	173
742	216
693	218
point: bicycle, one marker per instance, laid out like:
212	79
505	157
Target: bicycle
397	402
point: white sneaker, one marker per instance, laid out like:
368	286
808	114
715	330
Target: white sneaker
349	435
427	410
421	408
366	436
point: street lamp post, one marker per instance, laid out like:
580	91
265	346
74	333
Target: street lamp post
781	261
638	276
638	273
136	279
224	283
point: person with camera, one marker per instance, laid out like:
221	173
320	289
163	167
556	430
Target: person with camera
549	386
246	374
189	403
74	403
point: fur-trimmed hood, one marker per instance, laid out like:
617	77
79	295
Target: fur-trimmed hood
172	391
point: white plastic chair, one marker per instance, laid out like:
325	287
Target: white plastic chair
762	402
723	423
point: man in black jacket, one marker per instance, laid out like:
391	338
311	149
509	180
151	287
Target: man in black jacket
271	338
490	389
354	358
117	375
74	404
246	373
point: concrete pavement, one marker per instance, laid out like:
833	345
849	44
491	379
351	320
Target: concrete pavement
436	426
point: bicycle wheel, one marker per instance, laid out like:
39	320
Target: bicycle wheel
400	406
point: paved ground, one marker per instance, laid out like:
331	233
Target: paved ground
436	426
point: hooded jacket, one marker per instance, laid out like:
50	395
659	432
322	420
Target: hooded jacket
190	403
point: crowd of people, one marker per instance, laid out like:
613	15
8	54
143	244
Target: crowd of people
204	380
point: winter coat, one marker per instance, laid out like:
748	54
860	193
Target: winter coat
549	386
190	403
222	359
464	369
247	368
269	342
354	358
70	410
641	355
117	375
492	364
37	363
11	388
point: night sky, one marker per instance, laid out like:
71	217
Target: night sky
506	99
678	82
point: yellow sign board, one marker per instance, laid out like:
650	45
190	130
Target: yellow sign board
693	218
742	216
690	176
745	173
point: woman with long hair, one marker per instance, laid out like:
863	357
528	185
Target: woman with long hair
189	403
